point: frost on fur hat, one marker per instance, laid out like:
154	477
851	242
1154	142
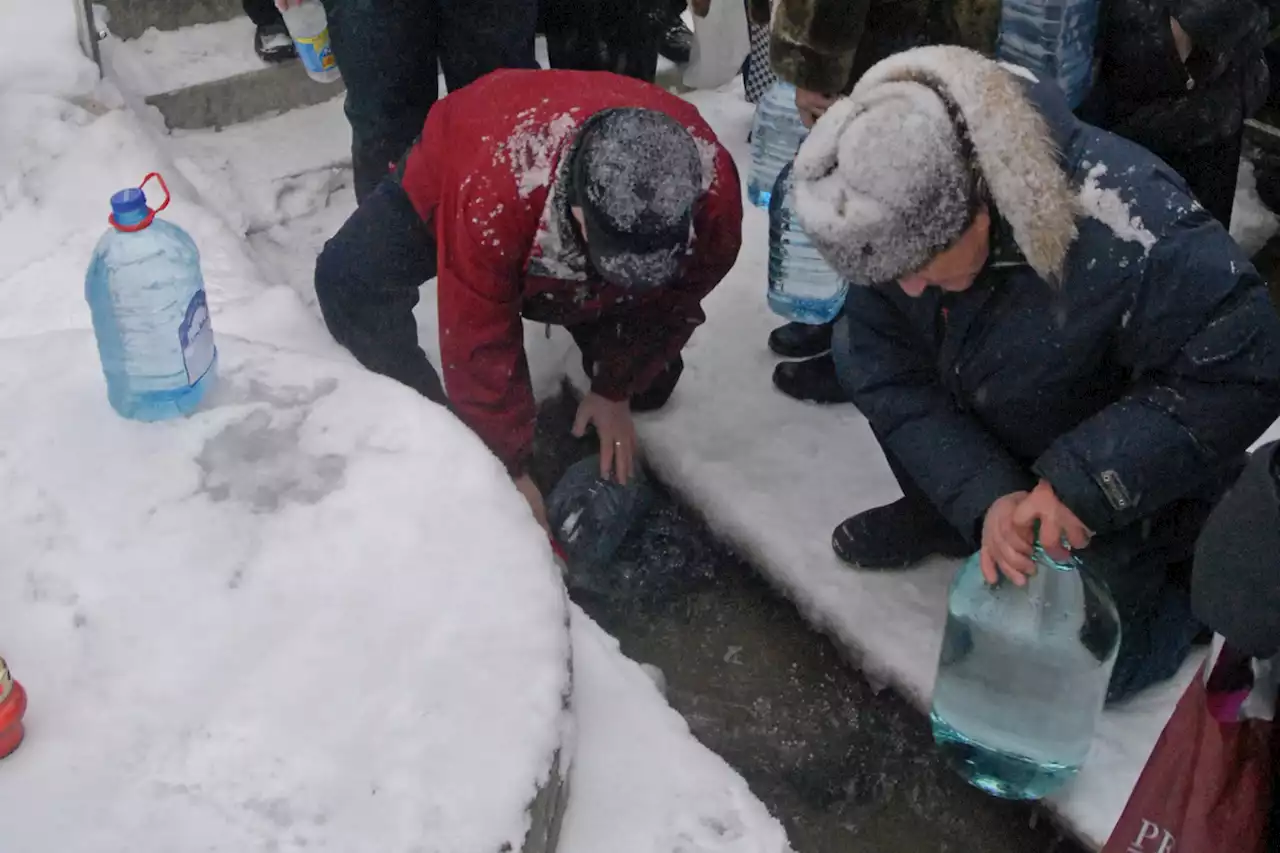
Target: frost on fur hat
883	184
891	175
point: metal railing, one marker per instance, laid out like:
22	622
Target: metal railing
91	29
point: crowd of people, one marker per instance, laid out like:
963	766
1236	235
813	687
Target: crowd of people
1049	327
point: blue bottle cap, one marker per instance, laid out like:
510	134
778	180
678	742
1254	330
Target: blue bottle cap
129	204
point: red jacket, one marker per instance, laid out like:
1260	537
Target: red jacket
484	176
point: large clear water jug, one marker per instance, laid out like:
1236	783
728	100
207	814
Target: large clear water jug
776	135
1053	39
150	315
803	288
1023	676
309	29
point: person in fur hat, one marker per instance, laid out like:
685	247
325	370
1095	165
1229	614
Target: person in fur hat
1049	330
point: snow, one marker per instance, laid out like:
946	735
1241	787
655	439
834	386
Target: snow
159	62
1251	223
259	628
314	615
1106	206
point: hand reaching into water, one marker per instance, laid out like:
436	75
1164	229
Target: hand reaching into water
531	493
612	420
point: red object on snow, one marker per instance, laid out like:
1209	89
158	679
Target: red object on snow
13	705
484	176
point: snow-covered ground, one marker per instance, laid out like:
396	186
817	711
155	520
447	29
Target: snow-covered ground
773	475
314	615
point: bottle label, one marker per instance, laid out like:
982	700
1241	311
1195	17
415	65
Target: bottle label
316	53
196	336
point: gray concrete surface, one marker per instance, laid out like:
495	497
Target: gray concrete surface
131	18
232	100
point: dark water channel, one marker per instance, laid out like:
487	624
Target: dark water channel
847	769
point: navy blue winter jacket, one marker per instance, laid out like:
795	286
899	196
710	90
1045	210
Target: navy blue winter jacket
1138	381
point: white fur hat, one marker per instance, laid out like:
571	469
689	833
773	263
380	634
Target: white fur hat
892	174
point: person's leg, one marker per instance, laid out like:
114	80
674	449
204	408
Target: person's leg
572	39
480	36
262	12
652	398
387	50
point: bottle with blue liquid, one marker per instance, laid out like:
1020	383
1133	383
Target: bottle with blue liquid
803	288
776	135
1053	39
1023	676
150	315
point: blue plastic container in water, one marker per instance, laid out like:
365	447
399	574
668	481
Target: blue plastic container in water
1023	677
1053	39
590	516
150	315
803	288
776	135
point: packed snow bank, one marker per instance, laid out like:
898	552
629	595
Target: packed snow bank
314	614
641	783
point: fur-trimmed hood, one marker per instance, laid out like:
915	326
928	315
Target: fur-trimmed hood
1008	143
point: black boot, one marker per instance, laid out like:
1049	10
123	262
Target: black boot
677	42
273	44
800	340
896	536
812	381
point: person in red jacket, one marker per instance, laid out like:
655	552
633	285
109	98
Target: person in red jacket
588	200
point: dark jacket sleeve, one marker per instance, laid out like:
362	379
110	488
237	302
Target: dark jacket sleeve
813	42
367	282
631	351
1218	26
948	454
1203	343
1235	584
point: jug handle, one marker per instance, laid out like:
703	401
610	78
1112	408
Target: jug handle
151	214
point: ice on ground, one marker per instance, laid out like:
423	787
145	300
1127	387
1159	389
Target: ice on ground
641	783
313	615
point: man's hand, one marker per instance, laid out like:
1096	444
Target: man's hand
812	105
526	487
1057	523
1181	39
282	5
617	432
1006	546
701	8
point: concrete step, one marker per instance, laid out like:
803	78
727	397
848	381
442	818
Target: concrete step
131	18
208	75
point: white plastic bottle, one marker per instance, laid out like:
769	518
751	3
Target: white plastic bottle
309	29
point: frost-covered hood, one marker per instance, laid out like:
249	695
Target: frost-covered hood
1017	147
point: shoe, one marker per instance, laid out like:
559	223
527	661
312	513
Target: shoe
812	381
273	43
677	43
800	340
896	536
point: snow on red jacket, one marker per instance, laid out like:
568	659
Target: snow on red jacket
485	176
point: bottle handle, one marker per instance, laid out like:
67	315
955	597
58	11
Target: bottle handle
151	214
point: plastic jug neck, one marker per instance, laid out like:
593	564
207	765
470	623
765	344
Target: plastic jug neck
129	210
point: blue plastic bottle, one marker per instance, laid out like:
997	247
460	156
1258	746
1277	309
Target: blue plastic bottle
803	288
1053	39
150	315
1023	676
776	135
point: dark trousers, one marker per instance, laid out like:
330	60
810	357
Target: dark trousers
368	279
1147	571
390	52
621	36
262	12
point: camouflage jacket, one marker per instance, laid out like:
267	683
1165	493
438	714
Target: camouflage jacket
826	45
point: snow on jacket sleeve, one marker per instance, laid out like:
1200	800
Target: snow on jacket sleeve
1204	343
948	454
486	372
633	349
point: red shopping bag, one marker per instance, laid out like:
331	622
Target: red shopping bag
1207	786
